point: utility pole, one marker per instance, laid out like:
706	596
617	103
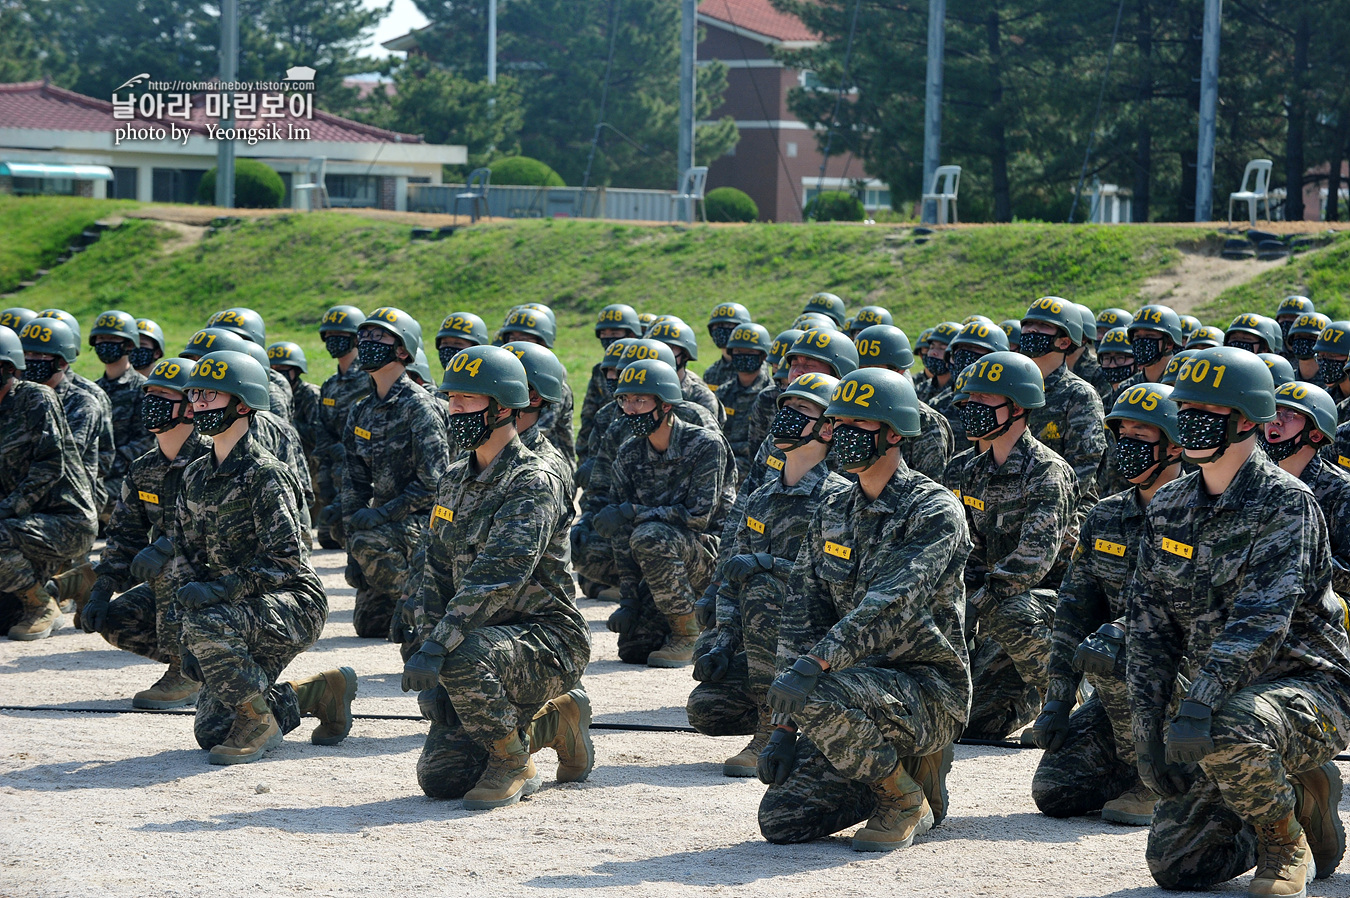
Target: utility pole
492	42
229	70
932	107
1209	104
688	56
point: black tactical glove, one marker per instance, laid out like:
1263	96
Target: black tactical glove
1097	654
1163	778
1188	738
435	705
738	568
150	561
705	609
401	626
788	693
94	614
624	618
191	667
713	666
353	574
778	757
328	514
368	518
610	520
584	473
423	669
1052	726
197	595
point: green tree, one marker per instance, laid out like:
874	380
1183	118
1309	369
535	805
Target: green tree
27	54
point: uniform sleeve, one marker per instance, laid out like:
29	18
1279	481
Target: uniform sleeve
189	543
808	608
47	461
430	458
128	532
729	622
1085	442
356	476
706	473
281	556
1154	643
929	452
1049	501
590	404
1338	532
1082	603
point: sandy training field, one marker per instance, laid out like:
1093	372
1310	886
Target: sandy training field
123	804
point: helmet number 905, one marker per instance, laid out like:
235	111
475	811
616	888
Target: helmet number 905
1143	397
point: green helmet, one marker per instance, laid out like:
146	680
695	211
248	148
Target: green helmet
885	346
342	320
728	314
613	355
1204	337
651	377
543	372
113	323
11	349
926	336
646	319
171	373
1265	330
831	347
1008	374
1335	339
1088	321
1294	306
65	317
16	317
829	305
1059	312
1169	375
1280	370
945	332
637	350
971	319
213	339
812	386
751	336
617	316
258	354
1311	401
244	322
534	322
399	323
287	353
1189	325
1157	317
488	371
1117	339
1113	317
536	307
152	330
985	336
420	369
464	326
809	321
876	394
1303	334
1232	378
676	334
870	315
1012	329
1146	403
235	373
49	336
781	344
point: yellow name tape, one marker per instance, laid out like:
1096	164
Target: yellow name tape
361	432
837	550
330	402
973	502
729	411
757	526
1343	461
775	463
443	513
1110	548
148	497
1176	548
713	387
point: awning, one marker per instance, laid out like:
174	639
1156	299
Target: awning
44	170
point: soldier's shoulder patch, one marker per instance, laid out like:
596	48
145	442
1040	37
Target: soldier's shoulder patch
148	497
1110	548
441	513
1176	548
977	504
838	551
757	526
1049	432
731	410
713	387
361	432
329	401
775	463
1343	461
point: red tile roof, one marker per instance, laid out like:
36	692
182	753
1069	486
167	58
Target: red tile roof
758	16
39	105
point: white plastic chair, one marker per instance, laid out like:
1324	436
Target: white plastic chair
946	181
476	193
314	188
1258	172
691	191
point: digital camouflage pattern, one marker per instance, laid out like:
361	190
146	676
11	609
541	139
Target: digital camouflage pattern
338	394
555	422
1330	484
1071	424
131	438
695	390
90	423
761	418
718	373
107	443
929	452
280	392
590	404
282	440
738	402
1090	370
1089	769
308	400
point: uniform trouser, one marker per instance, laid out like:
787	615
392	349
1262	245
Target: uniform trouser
1088	770
496	679
647	634
741	699
32	550
242	647
1261	734
327	488
675	564
724	708
858	724
1021	624
593	554
1001	702
140	623
384	554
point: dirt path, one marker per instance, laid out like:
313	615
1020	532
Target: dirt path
1198	278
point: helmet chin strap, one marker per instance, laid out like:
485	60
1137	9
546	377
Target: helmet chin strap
1231	436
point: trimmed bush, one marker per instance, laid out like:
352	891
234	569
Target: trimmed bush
834	205
256	186
522	171
729	204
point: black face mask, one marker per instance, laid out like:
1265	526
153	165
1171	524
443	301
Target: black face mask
338	345
1147	350
142	357
1332	371
1118	374
158	412
786	429
372	355
721	333
607	342
1199	429
447	353
1134	457
1285	327
215	421
962	358
39	371
469	429
981	421
1249	345
644	424
109	352
746	362
1036	345
1278	452
936	367
6	375
857	449
1302	347
607	385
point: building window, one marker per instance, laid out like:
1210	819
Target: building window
175	185
792	149
44	187
352	190
123	186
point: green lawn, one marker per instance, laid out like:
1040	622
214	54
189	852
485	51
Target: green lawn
1323	276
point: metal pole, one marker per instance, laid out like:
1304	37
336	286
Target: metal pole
932	107
688	56
1209	104
492	42
229	68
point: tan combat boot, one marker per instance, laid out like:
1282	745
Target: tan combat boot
930	772
509	776
254	731
902	813
328	696
679	648
41	616
1133	807
564	725
71	588
1284	863
1318	794
172	690
746	761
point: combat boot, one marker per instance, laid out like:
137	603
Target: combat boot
71	588
564	725
1318	795
509	776
745	762
254	731
328	696
172	690
1284	860
679	648
1133	807
902	813
41	615
930	772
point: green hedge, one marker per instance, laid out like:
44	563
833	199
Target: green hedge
729	204
256	186
522	171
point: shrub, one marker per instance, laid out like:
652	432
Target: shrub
522	171
729	204
834	205
256	186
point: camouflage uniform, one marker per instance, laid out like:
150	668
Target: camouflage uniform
738	402
1071	424
876	592
1331	486
1239	585
761	416
336	398
90	423
1022	522
107	442
129	434
555	422
590	404
1090	370
494	596
929	452
718	373
280	439
775	521
237	523
308	401
142	619
47	514
280	392
1096	764
695	390
396	451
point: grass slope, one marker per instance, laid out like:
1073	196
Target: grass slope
1323	277
34	232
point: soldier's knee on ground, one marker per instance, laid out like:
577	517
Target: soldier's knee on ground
450	764
716	710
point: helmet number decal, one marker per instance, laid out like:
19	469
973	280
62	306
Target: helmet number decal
852	391
203	337
1053	306
1196	371
168	370
990	372
633	375
869	347
213	368
461	363
37	332
1143	397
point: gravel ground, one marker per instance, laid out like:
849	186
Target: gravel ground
124	804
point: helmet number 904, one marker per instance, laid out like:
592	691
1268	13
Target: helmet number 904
461	363
633	374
